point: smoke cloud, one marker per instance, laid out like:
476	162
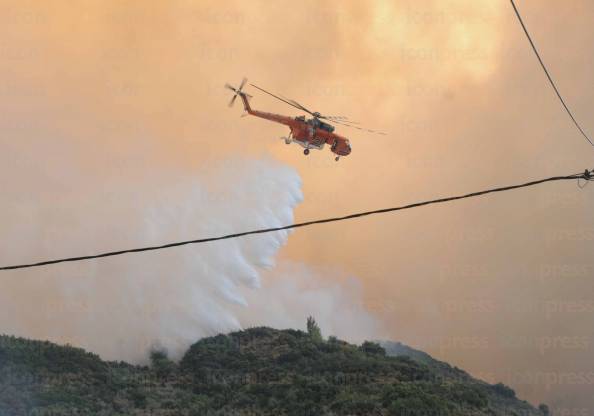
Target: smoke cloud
292	291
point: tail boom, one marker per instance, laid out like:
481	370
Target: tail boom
277	118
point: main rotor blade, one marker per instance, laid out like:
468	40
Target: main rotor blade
340	118
335	120
296	104
243	81
358	128
232	100
230	87
299	107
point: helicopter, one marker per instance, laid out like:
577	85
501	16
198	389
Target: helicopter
312	133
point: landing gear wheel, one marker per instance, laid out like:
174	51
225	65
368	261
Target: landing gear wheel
336	158
306	152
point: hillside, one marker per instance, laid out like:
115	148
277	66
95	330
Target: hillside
259	371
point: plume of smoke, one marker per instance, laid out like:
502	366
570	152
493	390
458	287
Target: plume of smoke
120	307
293	291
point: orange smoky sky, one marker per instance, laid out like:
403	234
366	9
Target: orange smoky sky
501	286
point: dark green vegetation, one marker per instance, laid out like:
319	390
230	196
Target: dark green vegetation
259	371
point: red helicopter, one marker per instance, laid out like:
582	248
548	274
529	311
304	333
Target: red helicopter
310	133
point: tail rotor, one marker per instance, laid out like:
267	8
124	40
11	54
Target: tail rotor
237	91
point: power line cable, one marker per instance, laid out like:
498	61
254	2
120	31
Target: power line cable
548	75
586	175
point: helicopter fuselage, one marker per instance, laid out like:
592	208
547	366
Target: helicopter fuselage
309	133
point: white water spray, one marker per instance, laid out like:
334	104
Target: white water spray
121	306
